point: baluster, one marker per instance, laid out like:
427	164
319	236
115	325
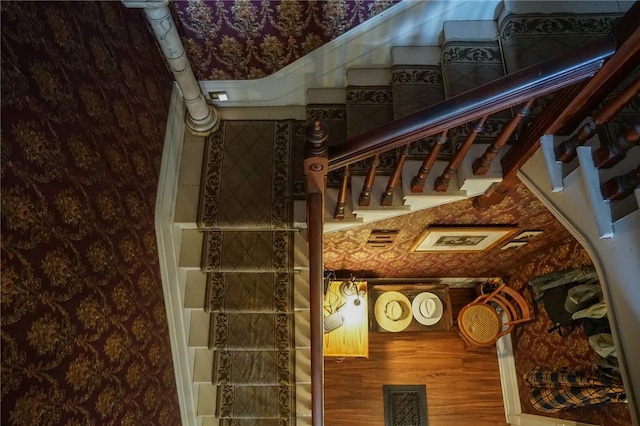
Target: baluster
442	182
394	179
417	183
606	157
566	151
365	196
621	186
482	163
342	195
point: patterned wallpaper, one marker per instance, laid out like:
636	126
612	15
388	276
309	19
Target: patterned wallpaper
248	39
347	249
84	335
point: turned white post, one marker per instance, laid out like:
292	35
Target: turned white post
202	118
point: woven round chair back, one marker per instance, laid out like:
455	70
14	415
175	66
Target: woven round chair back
481	323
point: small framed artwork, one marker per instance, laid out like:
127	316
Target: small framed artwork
527	235
513	245
452	239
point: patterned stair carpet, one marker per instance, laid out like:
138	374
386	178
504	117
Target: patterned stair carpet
249	292
246	214
247	251
247	176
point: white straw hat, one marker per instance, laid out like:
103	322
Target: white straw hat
427	308
393	311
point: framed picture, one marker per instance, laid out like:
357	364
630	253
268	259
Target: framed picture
450	239
526	235
513	245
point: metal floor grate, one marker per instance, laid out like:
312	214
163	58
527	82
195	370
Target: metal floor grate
405	405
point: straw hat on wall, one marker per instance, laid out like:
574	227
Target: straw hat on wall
393	311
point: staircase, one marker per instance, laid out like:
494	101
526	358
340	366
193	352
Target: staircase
211	288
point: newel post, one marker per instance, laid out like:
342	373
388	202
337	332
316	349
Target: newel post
202	119
316	165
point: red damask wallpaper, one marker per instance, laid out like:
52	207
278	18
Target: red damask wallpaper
85	95
248	39
347	249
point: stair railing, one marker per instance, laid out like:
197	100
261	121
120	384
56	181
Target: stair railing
570	106
511	90
315	169
566	151
606	60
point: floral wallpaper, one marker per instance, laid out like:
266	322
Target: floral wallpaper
84	334
347	249
249	39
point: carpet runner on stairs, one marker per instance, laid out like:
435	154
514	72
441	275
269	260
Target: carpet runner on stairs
247	176
245	212
249	292
247	251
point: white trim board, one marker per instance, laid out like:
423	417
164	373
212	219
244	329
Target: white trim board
409	23
511	396
167	252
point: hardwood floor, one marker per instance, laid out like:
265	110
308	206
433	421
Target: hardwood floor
463	388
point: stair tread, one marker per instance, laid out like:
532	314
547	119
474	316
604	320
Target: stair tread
249	292
256	402
242	251
255	368
251	331
251	197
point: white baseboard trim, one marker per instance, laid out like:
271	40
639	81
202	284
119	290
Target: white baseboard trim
164	215
511	396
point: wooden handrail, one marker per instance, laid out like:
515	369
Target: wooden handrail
531	82
316	293
315	169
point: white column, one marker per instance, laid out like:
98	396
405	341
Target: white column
202	118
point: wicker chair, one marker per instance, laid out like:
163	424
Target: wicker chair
481	324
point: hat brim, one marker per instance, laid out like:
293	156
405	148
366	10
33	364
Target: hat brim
386	322
415	308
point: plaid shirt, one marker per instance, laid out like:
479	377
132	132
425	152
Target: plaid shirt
553	391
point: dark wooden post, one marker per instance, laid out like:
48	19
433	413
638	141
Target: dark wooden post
607	156
566	151
622	186
365	196
442	182
482	163
394	179
342	195
315	169
417	183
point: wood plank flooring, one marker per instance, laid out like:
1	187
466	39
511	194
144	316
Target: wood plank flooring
463	388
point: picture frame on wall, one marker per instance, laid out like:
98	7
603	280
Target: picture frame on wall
511	245
527	235
442	239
